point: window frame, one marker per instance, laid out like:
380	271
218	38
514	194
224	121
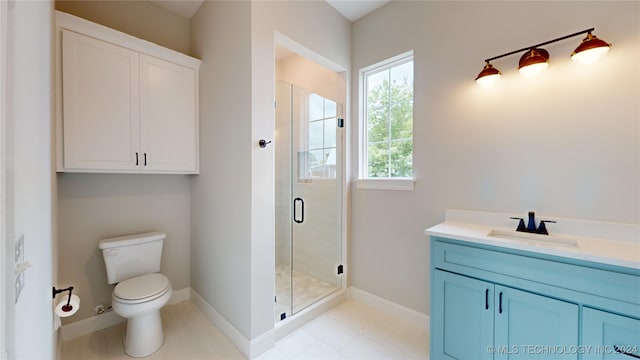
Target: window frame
379	183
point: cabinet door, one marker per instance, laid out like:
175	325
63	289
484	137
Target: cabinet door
609	336
530	326
100	104
462	325
168	116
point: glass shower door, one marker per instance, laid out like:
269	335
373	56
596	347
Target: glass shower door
313	155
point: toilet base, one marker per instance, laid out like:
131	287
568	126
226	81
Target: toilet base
144	334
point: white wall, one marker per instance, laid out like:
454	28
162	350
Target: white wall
564	144
233	246
30	173
95	206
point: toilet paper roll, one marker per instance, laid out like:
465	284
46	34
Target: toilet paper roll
63	310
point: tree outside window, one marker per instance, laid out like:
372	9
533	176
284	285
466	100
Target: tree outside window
389	120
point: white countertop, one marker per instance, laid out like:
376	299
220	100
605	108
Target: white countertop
620	251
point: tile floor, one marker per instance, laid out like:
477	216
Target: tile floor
351	330
307	289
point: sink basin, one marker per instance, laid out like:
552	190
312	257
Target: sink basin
535	239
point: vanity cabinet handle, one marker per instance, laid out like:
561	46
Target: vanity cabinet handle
500	304
623	352
137	162
486	299
145	159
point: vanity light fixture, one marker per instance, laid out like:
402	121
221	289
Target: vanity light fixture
536	60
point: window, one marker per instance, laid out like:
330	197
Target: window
322	137
387	120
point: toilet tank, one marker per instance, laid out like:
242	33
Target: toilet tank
129	256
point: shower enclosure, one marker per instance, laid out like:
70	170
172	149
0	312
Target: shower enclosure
308	181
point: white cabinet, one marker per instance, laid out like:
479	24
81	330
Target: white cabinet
167	115
125	105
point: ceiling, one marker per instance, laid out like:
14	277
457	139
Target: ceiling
350	9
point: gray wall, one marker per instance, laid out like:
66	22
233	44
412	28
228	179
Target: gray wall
221	194
141	19
233	247
95	206
29	179
565	144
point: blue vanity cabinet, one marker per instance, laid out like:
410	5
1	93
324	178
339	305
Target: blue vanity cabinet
466	305
482	320
524	321
490	302
610	336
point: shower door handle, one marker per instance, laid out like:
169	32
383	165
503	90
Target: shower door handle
295	210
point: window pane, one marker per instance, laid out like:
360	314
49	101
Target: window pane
330	133
388	109
402	76
330	156
316	107
329	108
378	125
402	158
315	134
316	158
378	90
378	160
402	120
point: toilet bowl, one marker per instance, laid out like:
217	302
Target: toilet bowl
139	300
133	263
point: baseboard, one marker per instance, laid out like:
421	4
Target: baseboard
233	334
254	348
403	313
179	296
109	319
90	325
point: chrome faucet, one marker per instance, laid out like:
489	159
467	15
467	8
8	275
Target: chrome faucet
531	225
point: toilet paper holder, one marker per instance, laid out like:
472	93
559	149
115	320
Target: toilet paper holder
68	306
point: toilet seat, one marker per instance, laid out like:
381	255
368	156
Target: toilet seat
141	289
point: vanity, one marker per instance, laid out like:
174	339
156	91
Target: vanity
501	294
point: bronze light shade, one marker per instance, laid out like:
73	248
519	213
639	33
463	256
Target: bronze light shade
533	62
590	50
488	76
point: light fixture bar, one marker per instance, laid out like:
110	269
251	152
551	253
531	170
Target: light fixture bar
541	44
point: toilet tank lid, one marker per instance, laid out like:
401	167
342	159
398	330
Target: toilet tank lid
133	239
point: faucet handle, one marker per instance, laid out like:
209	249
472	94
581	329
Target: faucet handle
542	229
521	226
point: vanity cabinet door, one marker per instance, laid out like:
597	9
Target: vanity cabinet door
610	336
100	102
531	326
168	120
462	326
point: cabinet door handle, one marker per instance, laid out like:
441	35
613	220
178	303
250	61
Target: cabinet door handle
500	304
623	352
145	159
137	162
486	299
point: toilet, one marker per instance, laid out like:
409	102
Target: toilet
133	263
